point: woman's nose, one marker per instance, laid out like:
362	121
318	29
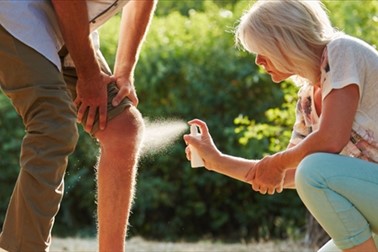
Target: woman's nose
259	60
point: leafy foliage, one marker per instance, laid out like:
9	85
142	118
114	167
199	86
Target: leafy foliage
190	68
356	18
11	133
275	132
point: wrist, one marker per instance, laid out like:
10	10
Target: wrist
124	69
88	71
212	162
282	160
124	79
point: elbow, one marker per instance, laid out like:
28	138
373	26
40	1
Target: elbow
332	145
331	142
334	149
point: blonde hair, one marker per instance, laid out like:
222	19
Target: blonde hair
289	32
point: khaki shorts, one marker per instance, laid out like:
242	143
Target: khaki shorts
70	78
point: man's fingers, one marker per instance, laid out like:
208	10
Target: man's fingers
122	93
103	113
81	111
90	118
90	113
134	98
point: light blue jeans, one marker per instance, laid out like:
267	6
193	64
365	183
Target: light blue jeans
342	194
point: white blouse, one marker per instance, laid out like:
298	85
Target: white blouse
346	60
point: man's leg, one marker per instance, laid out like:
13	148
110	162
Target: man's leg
38	93
120	144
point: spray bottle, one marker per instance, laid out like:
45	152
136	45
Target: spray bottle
196	160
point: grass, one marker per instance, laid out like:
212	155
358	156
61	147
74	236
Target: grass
140	245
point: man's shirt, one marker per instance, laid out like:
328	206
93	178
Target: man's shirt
34	23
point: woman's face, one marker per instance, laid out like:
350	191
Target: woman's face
269	67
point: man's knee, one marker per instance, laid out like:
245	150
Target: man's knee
45	154
123	130
53	124
51	134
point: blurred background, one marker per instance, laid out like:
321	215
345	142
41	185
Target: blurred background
189	68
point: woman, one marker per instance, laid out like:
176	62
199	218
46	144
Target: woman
333	153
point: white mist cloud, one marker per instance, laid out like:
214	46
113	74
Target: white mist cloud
160	134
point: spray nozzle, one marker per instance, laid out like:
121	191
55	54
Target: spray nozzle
194	130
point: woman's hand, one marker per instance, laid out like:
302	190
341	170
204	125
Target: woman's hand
267	176
204	146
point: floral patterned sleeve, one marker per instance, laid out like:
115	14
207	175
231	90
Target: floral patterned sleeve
302	126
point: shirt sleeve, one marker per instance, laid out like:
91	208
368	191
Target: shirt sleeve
342	66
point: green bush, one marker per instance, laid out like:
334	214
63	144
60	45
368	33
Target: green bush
189	67
357	18
11	133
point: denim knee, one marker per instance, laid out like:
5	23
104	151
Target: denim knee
309	173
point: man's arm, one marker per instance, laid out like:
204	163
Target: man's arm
136	17
91	86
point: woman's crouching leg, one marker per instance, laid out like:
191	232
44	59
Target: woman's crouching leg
340	193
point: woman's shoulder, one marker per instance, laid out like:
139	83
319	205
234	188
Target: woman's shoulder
344	42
